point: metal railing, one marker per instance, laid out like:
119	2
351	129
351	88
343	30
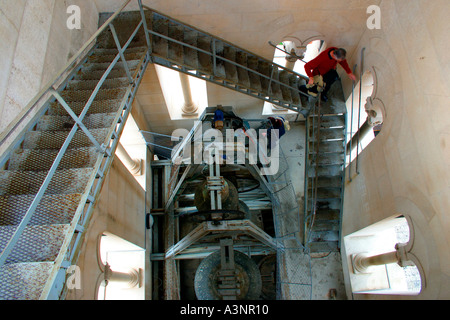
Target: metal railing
215	57
42	101
359	109
349	145
310	213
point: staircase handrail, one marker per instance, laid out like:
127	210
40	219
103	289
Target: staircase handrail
215	56
314	186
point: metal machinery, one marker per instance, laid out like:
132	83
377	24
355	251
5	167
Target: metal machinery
217	230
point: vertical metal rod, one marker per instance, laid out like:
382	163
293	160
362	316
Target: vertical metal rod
122	56
269	90
213	198
214	57
144	21
217	174
305	204
351	129
359	109
97	88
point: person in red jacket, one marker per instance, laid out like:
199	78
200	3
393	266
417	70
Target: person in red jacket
325	65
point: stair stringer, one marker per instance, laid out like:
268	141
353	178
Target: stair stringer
184	48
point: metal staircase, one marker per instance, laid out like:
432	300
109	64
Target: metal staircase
189	50
52	173
324	172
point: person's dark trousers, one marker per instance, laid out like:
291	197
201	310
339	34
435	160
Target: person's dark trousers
329	78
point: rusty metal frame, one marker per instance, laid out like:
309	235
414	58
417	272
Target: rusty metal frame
208	227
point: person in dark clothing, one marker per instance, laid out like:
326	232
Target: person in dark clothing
325	65
277	123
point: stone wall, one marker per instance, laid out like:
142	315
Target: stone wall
405	169
36	45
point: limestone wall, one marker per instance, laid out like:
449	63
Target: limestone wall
35	45
405	169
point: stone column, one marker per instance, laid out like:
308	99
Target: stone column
362	262
189	107
134	165
130	279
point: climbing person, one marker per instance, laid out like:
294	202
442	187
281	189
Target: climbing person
322	71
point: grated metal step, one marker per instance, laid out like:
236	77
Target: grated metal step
24	281
327	134
91	84
329	147
326	193
327	215
330	182
325	171
94	66
42	160
329	121
38	243
111	53
55	208
98	106
61	123
328	159
327	204
98	74
55	139
28	182
108	55
84	95
322	225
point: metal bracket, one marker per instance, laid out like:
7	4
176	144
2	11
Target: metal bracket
228	285
225	226
78	121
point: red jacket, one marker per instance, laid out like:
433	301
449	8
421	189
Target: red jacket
324	63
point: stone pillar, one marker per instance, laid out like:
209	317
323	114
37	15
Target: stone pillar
189	107
361	262
130	279
134	165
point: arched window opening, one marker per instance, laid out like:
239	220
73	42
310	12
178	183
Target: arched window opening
365	120
313	49
291	61
123	265
185	96
378	259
